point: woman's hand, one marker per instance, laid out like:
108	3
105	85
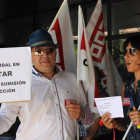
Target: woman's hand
135	117
109	122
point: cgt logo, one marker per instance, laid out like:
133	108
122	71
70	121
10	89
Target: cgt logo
126	102
97	41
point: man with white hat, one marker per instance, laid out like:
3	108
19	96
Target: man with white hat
56	102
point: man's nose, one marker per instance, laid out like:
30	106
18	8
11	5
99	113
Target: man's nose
45	54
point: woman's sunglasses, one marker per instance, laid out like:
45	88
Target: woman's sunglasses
41	52
132	51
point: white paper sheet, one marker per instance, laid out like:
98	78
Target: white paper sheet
112	105
15	74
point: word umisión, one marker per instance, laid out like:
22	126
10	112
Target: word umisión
5	65
13	83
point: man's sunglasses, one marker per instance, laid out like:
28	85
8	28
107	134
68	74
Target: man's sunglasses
132	51
41	52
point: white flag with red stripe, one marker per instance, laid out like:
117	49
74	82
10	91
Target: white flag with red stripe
61	33
101	57
85	69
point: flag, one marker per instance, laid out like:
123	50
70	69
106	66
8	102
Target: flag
61	33
85	68
111	79
116	57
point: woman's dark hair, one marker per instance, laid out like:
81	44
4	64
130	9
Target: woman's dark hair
135	43
134	40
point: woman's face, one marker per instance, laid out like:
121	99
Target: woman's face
132	61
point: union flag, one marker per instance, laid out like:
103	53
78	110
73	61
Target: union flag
101	57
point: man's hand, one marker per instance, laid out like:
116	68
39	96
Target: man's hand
135	117
74	110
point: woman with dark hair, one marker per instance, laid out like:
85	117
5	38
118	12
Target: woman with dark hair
130	91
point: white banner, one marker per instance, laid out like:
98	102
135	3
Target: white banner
15	74
61	32
85	68
111	79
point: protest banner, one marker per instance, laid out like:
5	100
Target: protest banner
15	74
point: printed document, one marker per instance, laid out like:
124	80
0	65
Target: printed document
112	105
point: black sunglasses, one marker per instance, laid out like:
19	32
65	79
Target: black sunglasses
41	52
132	51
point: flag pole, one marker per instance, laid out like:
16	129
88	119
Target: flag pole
57	15
78	82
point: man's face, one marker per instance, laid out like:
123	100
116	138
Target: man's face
44	63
